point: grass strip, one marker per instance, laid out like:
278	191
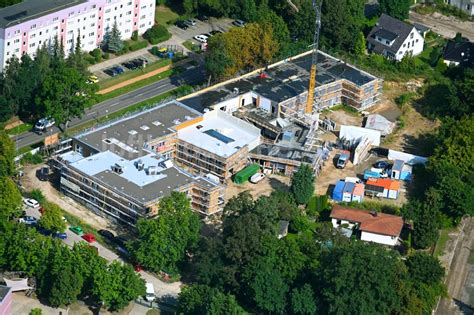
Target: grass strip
24	127
441	243
127	75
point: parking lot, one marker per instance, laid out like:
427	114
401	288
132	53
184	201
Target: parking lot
201	27
130	64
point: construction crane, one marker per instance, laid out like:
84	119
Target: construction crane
314	58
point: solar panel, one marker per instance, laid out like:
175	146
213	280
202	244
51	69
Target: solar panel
219	136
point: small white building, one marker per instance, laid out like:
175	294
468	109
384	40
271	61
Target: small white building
374	227
394	39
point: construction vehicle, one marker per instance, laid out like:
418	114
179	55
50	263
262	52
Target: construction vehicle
314	59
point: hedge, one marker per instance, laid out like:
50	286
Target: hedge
138	45
157	34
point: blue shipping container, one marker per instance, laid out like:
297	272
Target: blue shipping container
338	190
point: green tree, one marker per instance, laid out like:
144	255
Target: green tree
360	278
10	199
7	155
425	222
302	184
113	39
395	8
61	283
202	300
359	48
117	287
162	242
76	59
303	301
424	268
52	218
65	94
217	60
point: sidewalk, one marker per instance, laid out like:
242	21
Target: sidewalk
135	54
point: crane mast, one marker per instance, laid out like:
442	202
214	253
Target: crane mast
314	58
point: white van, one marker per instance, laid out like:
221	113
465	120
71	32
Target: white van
257	177
150	292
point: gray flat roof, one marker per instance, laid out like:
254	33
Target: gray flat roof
127	136
283	152
133	182
283	81
32	9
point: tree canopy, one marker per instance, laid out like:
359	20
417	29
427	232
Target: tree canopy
302	184
52	218
395	8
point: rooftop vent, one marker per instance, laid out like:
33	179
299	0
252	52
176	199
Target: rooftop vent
236	90
156	123
144	127
152	170
176	122
187	117
133	132
198	126
117	168
206	110
166	164
140	165
108	141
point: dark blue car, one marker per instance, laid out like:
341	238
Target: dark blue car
60	235
382	164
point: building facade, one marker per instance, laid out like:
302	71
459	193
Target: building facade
28	25
465	5
6	300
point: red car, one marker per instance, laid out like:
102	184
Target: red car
138	268
89	237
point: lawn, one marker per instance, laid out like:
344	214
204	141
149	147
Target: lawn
164	15
131	87
133	74
19	129
441	243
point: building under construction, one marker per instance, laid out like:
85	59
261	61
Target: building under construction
274	100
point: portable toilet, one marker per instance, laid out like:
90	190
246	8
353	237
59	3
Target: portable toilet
337	192
347	192
397	169
358	193
170	54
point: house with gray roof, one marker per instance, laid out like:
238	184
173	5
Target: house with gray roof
394	39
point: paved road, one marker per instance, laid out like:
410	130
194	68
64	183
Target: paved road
162	289
460	280
191	75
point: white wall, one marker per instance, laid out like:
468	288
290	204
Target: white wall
353	133
335	225
378	238
413	43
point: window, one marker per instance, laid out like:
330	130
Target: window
70	32
55	19
144	16
24	43
142	25
92	16
69	41
41	33
338	222
92	24
411	35
8	43
107	11
17	32
91	34
32	45
32	35
33	26
387	42
71	13
416	41
62	21
17	50
16	41
129	12
55	28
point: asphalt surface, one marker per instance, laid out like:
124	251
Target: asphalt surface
192	75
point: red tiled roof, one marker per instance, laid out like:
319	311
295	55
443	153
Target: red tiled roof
382	223
386	183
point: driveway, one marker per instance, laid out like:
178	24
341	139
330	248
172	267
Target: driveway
446	26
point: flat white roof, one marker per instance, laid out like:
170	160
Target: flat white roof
221	134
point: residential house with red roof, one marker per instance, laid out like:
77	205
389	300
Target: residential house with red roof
373	226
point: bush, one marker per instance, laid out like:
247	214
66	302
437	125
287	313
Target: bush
29	158
89	59
38	195
96	53
106	56
138	45
157	34
135	36
404	98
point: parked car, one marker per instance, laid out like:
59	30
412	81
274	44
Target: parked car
130	65
77	230
257	177
107	234
89	237
201	38
93	79
118	69
343	159
43	231
122	251
110	72
43	173
239	23
28	220
202	18
60	235
181	25
29	202
150	292
215	32
121	241
43	124
208	35
137	268
382	164
190	22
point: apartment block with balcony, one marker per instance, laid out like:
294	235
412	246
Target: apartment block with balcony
32	23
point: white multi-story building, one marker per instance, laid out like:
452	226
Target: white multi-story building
30	24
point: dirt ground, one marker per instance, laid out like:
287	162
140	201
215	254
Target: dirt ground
263	188
460	278
30	182
446	26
